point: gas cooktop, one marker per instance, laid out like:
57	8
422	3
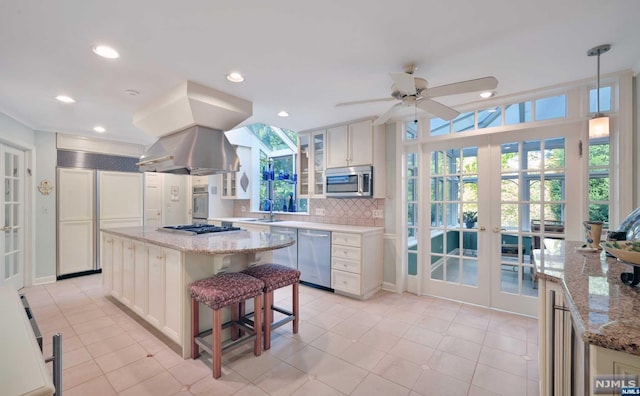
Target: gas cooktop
196	229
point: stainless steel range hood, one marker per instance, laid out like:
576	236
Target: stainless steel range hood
190	121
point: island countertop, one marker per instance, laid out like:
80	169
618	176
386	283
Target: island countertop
229	242
606	311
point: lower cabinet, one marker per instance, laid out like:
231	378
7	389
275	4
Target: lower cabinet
356	263
146	278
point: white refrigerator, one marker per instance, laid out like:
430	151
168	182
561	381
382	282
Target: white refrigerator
87	201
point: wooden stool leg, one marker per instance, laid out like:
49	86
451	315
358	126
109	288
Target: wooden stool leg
235	316
296	307
216	346
257	325
268	318
195	325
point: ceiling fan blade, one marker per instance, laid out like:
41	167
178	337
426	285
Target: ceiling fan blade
438	109
404	82
383	118
365	101
479	84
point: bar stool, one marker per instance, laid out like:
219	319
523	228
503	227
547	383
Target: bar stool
217	292
274	277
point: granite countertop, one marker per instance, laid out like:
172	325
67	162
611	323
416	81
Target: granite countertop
606	311
237	221
230	242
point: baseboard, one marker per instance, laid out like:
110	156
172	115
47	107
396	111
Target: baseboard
388	286
76	274
43	280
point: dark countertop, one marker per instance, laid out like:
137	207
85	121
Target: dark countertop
606	311
230	242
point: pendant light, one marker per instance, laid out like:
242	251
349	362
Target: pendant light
599	124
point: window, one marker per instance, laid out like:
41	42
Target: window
517	113
412	212
554	107
599	180
490	117
605	99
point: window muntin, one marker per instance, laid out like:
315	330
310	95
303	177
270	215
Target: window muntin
518	113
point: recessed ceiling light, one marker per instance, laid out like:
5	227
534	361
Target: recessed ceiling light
106	52
235	77
65	99
492	110
99	129
487	94
283	113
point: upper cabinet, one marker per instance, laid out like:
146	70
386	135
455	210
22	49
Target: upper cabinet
350	145
237	185
311	154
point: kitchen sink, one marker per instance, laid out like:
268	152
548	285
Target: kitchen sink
263	220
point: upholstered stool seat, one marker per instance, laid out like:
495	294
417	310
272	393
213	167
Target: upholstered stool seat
274	277
217	292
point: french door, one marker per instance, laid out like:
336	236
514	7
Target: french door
492	200
12	216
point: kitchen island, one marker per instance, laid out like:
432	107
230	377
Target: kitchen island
149	271
588	319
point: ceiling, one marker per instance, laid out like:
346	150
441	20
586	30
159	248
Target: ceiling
298	57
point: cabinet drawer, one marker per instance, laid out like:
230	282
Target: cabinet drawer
347	252
345	281
346	239
345	265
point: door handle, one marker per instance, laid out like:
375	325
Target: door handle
496	230
6	228
482	228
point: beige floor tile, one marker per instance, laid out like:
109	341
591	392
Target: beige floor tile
340	375
134	373
252	367
75	357
251	390
433	323
98	386
423	336
379	339
281	380
533	373
362	355
452	365
342	311
398	370
159	385
510	329
393	327
308	359
402	315
100	334
68	344
168	358
417	353
307	332
283	345
533	388
152	345
506	343
498	381
45	312
121	358
326	321
460	347
228	384
472	334
93	325
52	324
351	329
472	319
110	344
332	343
79	374
477	391
375	385
505	361
432	382
191	371
313	387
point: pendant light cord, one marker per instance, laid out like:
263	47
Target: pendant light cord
598	90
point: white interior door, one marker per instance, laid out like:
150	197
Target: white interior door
153	200
456	265
12	216
76	237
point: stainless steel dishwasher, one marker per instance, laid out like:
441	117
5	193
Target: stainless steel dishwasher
286	256
314	257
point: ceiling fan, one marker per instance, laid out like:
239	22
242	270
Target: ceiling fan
414	92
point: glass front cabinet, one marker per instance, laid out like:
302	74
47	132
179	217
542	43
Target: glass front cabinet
311	152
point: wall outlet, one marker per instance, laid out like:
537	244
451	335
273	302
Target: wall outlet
377	213
319	211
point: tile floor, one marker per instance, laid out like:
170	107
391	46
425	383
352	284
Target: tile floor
391	344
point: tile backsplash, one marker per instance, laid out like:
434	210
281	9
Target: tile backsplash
351	211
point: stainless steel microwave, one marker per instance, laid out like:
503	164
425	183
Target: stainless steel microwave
351	182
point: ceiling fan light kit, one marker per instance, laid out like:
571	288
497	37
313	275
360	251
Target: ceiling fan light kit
599	124
414	92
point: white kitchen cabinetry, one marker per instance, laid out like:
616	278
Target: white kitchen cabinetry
607	362
173	289
350	145
311	154
128	268
199	180
155	287
232	183
140	276
356	263
106	261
